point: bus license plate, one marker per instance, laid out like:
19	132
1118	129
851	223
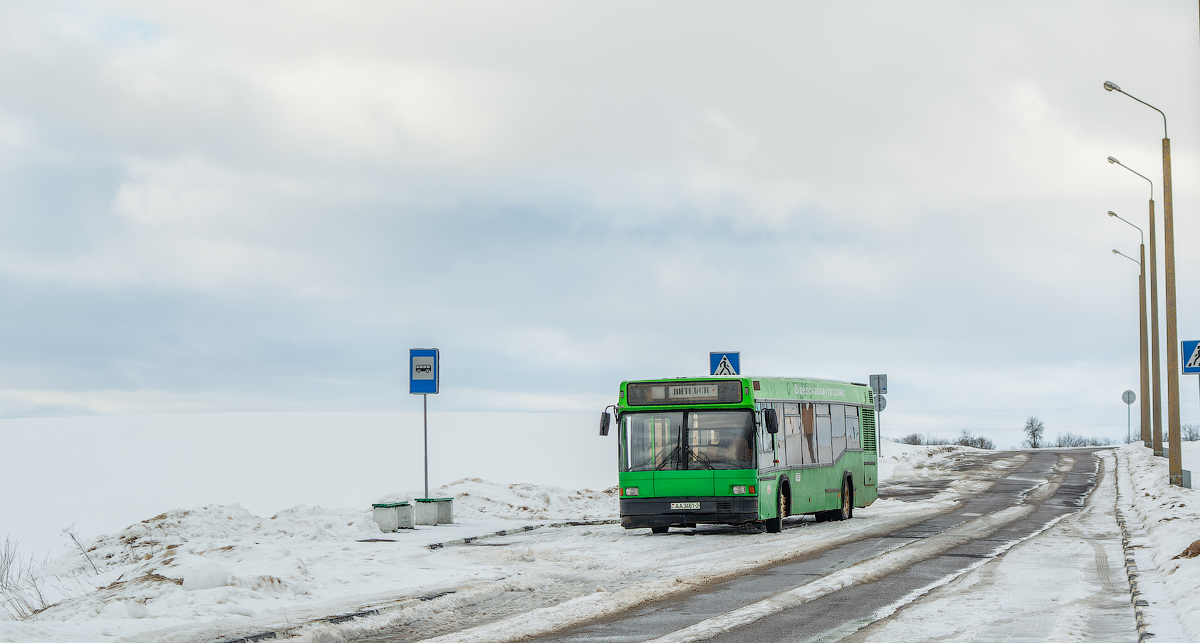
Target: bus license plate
685	505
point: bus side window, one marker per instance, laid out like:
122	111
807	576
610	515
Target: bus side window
824	435
837	414
810	437
853	430
780	440
794	439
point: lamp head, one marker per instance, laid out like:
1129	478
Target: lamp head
1113	160
1115	251
1110	86
1112	214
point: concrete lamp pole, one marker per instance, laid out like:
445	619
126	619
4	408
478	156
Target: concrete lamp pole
1147	428
1174	460
1154	401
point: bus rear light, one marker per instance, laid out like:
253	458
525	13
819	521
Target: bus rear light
752	489
739	490
632	491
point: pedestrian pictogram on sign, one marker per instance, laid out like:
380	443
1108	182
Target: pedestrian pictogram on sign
724	363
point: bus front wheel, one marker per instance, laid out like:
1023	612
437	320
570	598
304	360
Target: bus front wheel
775	525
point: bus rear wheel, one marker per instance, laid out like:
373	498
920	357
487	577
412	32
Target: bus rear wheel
660	530
846	512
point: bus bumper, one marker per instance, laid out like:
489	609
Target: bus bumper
657	512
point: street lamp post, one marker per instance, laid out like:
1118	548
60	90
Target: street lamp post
1175	460
1147	430
1154	401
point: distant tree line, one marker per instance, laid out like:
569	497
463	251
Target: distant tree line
1187	433
965	439
1035	438
1069	439
1035	432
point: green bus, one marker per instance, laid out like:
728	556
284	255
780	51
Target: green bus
737	450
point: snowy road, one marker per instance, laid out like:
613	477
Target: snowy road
1008	585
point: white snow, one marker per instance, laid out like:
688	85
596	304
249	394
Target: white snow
1069	583
222	563
217	571
1065	584
1164	520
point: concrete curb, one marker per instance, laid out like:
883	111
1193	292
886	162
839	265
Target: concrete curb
518	530
292	630
1131	568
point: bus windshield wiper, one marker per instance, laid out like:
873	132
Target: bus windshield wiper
696	456
673	455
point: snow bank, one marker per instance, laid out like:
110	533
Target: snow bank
1164	521
908	461
476	499
221	562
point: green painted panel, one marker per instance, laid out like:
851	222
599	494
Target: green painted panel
783	388
725	480
683	483
643	480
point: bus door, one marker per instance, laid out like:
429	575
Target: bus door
767	444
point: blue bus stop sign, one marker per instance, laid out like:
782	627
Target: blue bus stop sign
1191	357
726	363
424	367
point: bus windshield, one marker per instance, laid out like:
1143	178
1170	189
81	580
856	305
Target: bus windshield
671	441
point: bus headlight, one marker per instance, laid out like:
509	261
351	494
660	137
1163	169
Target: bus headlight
739	490
632	491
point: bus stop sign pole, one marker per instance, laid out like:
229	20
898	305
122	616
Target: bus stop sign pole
424	371
1129	397
879	388
425	423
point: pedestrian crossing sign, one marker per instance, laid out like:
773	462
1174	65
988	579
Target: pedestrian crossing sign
725	363
1191	357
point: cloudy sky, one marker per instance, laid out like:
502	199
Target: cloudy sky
216	206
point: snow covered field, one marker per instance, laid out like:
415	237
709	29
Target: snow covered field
139	466
220	571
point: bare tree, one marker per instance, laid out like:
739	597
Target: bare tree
912	438
977	441
1190	432
1034	430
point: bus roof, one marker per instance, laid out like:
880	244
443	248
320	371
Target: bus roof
710	378
813	389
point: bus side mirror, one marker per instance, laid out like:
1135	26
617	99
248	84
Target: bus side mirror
604	418
772	421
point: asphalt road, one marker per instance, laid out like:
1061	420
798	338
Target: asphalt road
1049	485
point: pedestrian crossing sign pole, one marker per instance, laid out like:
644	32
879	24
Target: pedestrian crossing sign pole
1190	364
1191	357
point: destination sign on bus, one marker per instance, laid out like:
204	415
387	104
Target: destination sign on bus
650	394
